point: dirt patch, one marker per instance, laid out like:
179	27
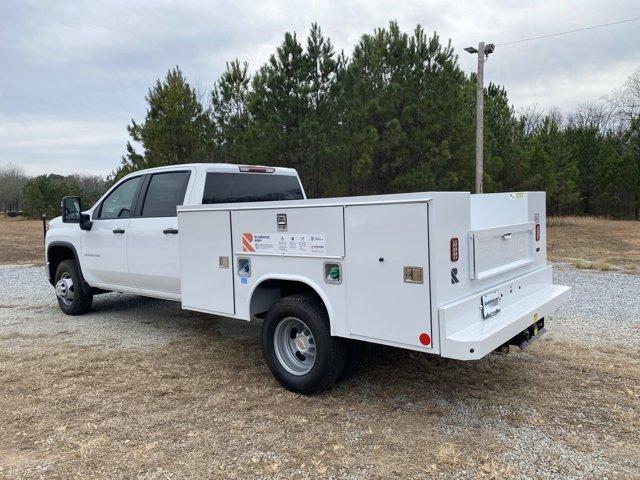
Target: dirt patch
21	241
208	408
595	243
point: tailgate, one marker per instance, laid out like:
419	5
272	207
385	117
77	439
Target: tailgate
498	250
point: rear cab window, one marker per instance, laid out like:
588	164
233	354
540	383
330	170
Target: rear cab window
165	192
231	187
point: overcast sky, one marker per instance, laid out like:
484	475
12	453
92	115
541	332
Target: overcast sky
73	74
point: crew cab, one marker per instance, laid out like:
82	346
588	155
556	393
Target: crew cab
446	273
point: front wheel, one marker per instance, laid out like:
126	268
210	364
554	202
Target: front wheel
298	346
71	297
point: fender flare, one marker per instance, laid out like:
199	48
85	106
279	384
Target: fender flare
85	286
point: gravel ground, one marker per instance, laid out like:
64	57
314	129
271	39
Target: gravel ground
604	309
118	320
139	388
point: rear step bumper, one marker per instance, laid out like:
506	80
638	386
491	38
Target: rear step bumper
469	336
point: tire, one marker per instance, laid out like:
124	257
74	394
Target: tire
68	286
298	346
356	351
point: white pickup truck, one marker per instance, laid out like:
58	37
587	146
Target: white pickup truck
446	273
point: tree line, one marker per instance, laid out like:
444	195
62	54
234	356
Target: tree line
40	195
396	115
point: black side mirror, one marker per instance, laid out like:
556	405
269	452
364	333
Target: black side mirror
72	213
71	209
85	221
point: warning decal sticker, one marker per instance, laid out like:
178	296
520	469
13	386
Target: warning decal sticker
247	242
281	243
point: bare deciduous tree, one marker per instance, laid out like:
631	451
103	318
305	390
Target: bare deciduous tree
12	179
626	100
90	185
598	116
532	118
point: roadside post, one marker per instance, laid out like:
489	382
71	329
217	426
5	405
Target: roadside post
483	52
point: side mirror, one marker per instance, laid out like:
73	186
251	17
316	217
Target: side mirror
71	210
72	213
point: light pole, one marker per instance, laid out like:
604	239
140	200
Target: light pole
483	52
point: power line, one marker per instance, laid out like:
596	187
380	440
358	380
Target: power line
570	31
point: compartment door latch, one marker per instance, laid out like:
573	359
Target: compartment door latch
413	274
281	220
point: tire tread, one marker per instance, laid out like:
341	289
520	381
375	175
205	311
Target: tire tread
336	352
81	301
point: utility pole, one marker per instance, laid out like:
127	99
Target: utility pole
483	52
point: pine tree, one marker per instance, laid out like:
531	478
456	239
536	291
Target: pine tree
406	103
229	113
285	115
175	130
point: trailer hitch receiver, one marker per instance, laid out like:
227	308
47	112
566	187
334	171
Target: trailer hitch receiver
528	335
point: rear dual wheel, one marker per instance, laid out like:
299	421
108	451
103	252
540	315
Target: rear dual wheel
298	346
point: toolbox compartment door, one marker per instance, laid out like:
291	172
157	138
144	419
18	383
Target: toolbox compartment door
497	250
206	278
383	305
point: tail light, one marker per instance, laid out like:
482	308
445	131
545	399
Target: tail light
454	250
537	232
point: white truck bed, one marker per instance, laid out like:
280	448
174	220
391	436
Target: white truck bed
436	307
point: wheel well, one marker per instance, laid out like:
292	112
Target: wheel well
270	291
56	255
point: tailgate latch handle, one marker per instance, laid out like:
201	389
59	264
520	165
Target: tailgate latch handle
506	236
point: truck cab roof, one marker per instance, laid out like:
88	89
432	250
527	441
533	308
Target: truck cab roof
215	167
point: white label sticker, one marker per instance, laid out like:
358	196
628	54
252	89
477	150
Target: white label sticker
285	244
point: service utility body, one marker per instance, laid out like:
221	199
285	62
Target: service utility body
445	273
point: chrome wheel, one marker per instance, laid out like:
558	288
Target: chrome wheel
294	346
64	288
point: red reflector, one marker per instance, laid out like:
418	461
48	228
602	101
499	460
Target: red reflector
537	232
425	339
257	169
454	251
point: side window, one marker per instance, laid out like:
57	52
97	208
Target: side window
118	203
166	191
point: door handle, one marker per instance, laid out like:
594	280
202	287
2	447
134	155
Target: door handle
118	230
172	231
506	236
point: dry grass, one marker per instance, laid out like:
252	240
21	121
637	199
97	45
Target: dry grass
20	241
598	265
595	243
207	408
